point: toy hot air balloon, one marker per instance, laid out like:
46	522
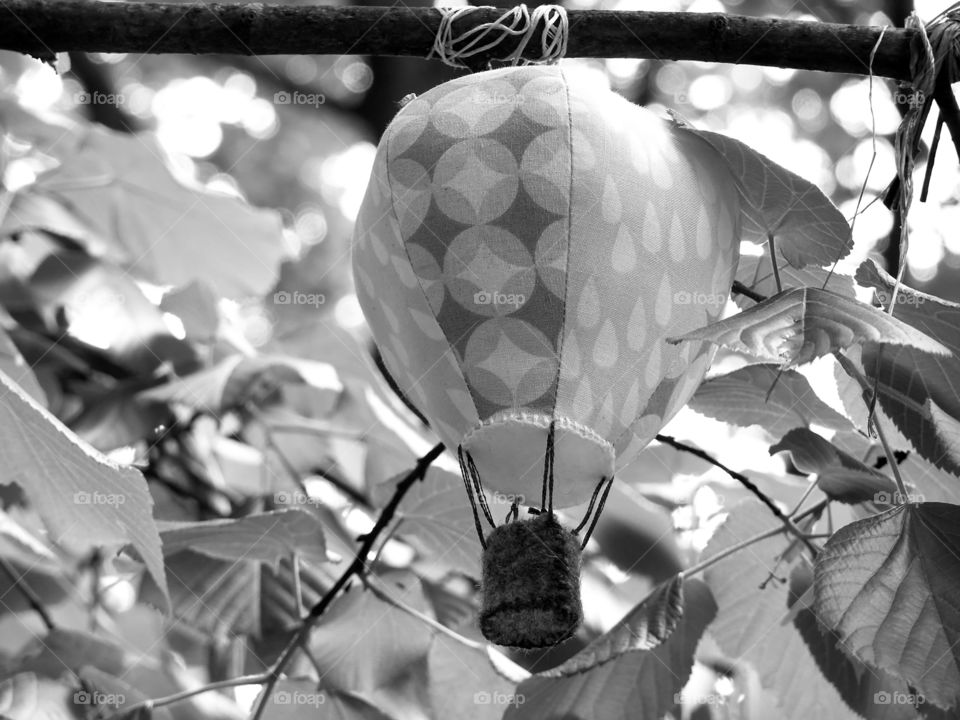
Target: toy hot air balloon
525	246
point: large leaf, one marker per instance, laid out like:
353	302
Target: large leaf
752	622
120	186
888	586
371	648
802	324
646	626
840	475
777	400
918	389
464	682
868	691
637	684
85	500
757	274
807	227
268	537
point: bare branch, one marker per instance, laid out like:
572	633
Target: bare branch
44	27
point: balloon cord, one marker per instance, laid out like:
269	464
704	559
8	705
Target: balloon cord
596	516
473	503
478	486
546	495
593	499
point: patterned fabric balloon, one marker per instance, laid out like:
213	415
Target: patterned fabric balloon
524	249
525	246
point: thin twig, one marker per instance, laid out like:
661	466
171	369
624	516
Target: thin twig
773	262
358	565
131	710
33	600
746	482
870	398
372	584
713	559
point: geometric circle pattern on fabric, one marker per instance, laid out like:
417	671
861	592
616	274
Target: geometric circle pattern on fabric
525	246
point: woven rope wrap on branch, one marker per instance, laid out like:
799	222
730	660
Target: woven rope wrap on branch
482	39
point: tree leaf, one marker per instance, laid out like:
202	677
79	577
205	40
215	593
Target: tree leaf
752	622
915	388
372	649
464	682
808	228
887	585
268	537
121	188
16	368
304	699
638	684
85	500
867	691
437	519
196	305
26	697
766	396
841	476
649	624
755	273
802	324
934	316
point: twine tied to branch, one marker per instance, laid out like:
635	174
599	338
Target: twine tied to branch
519	22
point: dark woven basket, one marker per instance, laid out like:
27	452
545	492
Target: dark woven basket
531	584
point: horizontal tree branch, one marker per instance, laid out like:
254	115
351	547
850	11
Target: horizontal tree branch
44	27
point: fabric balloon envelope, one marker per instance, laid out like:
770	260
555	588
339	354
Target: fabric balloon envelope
525	246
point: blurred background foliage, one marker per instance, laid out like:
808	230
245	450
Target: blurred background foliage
298	134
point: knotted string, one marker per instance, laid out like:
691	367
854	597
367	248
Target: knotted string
453	48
